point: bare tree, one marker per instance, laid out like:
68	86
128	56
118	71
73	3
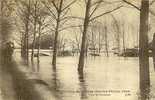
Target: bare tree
24	13
35	17
6	30
61	45
77	37
116	26
93	39
99	41
39	16
106	40
6	24
100	37
143	50
42	25
143	47
123	36
89	16
153	49
59	14
75	41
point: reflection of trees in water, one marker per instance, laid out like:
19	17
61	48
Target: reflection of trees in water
83	89
56	85
146	94
38	65
35	66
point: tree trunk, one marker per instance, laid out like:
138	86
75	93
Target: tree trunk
117	33
26	40
83	45
99	44
33	43
1	19
34	36
59	11
124	42
153	50
56	42
27	45
87	45
38	49
22	45
106	42
143	51
93	44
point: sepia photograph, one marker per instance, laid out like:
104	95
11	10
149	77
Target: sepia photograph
77	49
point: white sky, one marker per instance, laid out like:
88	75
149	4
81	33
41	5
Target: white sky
127	14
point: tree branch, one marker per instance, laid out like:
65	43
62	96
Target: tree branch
51	12
96	7
55	6
151	12
151	3
131	4
105	13
68	5
65	12
107	2
69	27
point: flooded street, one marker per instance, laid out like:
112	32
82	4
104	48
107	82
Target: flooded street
104	78
77	50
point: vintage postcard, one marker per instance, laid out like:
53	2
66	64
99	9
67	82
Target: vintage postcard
77	50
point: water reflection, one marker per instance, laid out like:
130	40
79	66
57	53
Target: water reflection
83	89
102	74
56	85
32	66
145	93
38	65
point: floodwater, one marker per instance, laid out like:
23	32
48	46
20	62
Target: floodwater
104	78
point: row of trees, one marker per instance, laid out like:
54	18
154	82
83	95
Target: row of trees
35	18
58	11
6	11
31	23
40	17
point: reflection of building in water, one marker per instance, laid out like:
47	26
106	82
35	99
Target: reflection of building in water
83	89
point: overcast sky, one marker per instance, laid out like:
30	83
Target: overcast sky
127	14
